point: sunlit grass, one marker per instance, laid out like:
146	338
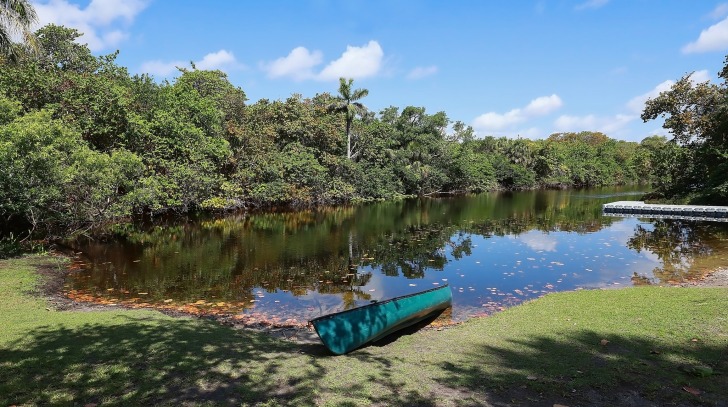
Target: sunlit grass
584	347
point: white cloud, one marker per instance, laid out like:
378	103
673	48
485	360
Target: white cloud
609	125
700	76
591	4
98	22
539	241
540	106
713	38
720	11
637	103
575	123
106	11
115	37
221	60
543	105
160	68
355	62
216	60
497	121
297	65
421	72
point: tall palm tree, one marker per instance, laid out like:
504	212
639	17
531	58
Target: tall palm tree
17	17
346	102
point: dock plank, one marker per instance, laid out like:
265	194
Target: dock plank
631	208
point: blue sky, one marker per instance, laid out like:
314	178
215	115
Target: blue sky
508	68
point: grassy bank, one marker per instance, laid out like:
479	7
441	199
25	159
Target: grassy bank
643	346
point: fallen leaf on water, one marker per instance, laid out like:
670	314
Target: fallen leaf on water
692	390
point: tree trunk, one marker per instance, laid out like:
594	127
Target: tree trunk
348	139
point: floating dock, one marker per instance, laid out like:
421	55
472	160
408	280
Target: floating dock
691	212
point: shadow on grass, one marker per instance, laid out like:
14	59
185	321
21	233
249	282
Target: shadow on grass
144	362
175	362
581	369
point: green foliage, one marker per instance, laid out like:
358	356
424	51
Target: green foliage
587	159
93	143
60	51
50	176
36	158
9	110
693	165
10	246
513	176
469	172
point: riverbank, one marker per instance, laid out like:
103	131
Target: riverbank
643	346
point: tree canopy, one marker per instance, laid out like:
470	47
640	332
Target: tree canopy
694	163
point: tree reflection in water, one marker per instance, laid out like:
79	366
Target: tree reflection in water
687	249
309	262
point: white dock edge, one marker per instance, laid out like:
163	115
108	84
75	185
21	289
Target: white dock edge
704	212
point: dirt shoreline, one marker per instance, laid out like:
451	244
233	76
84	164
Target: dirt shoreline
53	278
716	278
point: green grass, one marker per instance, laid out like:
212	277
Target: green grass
540	353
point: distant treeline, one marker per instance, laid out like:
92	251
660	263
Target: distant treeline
83	142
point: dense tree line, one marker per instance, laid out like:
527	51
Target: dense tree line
82	142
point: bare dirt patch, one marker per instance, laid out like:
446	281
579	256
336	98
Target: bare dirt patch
716	278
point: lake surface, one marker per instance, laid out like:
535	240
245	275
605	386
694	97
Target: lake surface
494	250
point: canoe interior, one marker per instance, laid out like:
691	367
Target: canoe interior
345	331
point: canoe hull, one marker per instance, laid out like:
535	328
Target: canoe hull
345	331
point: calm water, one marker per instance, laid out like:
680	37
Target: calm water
494	250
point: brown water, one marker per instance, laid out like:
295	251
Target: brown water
495	250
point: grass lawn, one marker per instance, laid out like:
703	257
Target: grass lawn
637	346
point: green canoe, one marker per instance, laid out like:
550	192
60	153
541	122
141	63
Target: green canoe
345	331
